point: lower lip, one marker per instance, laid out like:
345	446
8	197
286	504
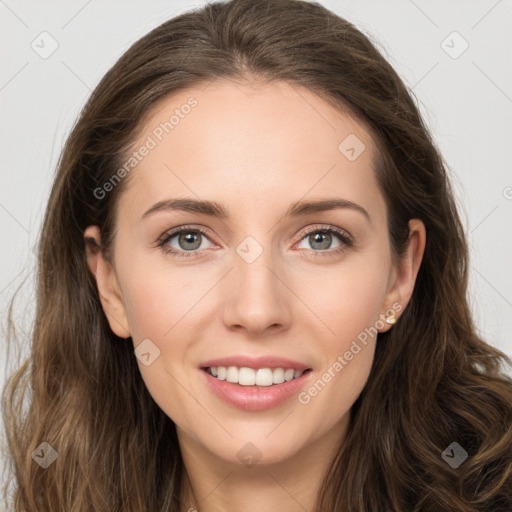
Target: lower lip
255	398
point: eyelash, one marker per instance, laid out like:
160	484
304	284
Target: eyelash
341	234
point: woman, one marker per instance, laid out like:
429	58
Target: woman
254	369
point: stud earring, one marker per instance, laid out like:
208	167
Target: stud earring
391	318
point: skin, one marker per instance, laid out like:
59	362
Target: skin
255	148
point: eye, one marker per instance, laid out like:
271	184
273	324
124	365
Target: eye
188	241
321	238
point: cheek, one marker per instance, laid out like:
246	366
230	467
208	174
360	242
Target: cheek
348	298
159	298
349	302
335	388
160	309
166	306
347	355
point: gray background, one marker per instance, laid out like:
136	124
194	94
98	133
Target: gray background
466	100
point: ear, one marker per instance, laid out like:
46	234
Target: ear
404	275
108	287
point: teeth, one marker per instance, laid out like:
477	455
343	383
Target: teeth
288	374
232	374
264	377
250	377
247	377
278	376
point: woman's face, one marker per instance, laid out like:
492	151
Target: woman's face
271	286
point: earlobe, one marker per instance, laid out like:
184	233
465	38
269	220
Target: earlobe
106	281
405	274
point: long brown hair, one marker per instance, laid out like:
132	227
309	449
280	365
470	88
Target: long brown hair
433	382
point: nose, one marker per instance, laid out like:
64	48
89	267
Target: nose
257	298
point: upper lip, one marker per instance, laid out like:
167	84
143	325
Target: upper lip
255	362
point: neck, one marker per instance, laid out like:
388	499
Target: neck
211	484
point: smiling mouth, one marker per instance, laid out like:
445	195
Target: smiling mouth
245	376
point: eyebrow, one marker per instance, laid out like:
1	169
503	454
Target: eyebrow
214	209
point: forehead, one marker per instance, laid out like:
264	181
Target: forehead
251	143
